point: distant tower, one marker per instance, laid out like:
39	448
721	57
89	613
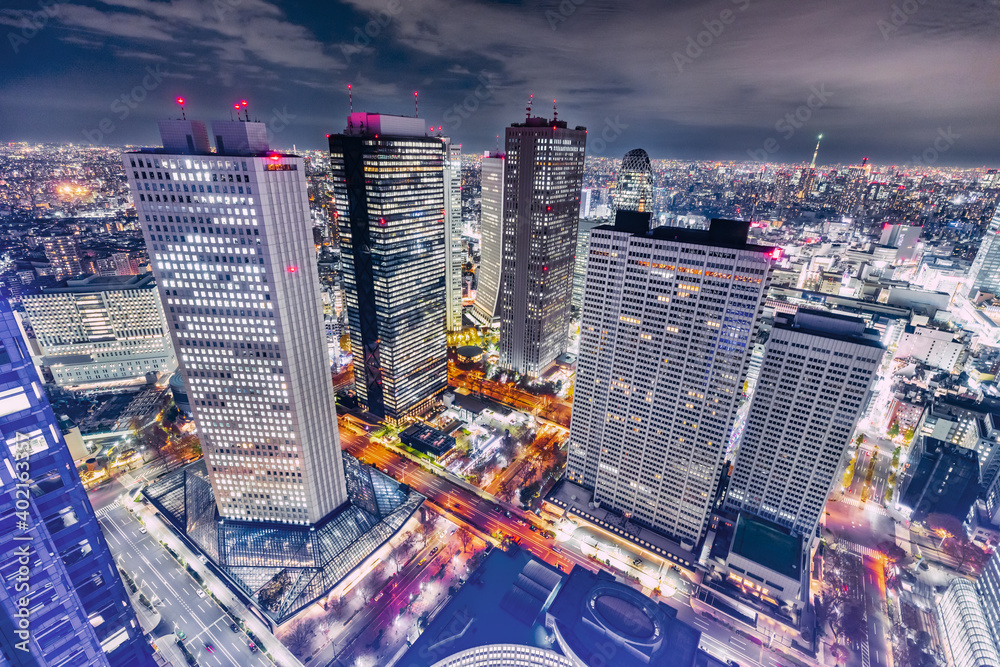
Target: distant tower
812	165
634	186
543	177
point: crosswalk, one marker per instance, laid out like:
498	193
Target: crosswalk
104	511
860	549
869	506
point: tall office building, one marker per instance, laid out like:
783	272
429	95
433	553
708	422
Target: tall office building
491	237
453	235
63	254
814	383
580	264
62	601
95	329
230	242
634	185
669	318
543	178
984	276
390	199
125	264
988	588
941	478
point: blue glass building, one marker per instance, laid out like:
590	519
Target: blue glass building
62	601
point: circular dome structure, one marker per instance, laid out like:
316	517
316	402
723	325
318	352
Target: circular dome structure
624	616
505	655
469	354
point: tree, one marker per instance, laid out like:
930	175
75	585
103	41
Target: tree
851	623
299	640
964	552
893	430
839	653
466	538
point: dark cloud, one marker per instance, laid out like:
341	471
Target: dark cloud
683	79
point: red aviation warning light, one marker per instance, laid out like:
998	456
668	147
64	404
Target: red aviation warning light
180	101
292	269
275	157
776	254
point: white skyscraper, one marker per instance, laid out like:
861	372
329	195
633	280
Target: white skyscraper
453	234
984	276
669	317
813	385
491	237
230	243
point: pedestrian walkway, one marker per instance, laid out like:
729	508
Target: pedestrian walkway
869	506
104	511
860	549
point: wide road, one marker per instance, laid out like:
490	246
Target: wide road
162	579
461	503
878	639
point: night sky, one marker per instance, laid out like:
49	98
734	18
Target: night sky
691	80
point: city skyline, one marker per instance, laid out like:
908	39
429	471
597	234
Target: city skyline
688	94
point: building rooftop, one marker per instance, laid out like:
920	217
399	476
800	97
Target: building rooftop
721	233
91	283
769	545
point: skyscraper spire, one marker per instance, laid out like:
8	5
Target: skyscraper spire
816	152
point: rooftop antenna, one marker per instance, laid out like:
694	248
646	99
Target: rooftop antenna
555	113
864	162
350	97
243	103
180	103
237	107
527	109
816	152
498	143
416	109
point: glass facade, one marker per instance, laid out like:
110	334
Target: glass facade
969	639
453	234
62	601
491	237
543	176
230	242
390	204
284	568
985	272
634	186
988	588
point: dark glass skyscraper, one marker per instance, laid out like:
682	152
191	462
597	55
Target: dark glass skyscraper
542	179
62	602
389	187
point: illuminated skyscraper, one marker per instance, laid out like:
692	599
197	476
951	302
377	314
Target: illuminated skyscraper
62	601
669	319
390	199
453	234
634	186
813	386
230	242
984	276
543	178
491	237
63	254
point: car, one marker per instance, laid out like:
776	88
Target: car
201	593
422	561
234	627
143	530
732	663
556	550
637	561
378	597
497	509
507	513
181	635
533	528
253	647
209	648
434	550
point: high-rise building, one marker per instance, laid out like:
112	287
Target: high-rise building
580	265
491	220
988	588
984	276
669	318
807	182
63	254
62	601
941	477
543	178
125	264
904	237
94	329
968	639
453	235
390	202
230	242
814	383
634	186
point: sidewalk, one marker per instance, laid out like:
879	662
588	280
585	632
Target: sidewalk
277	651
